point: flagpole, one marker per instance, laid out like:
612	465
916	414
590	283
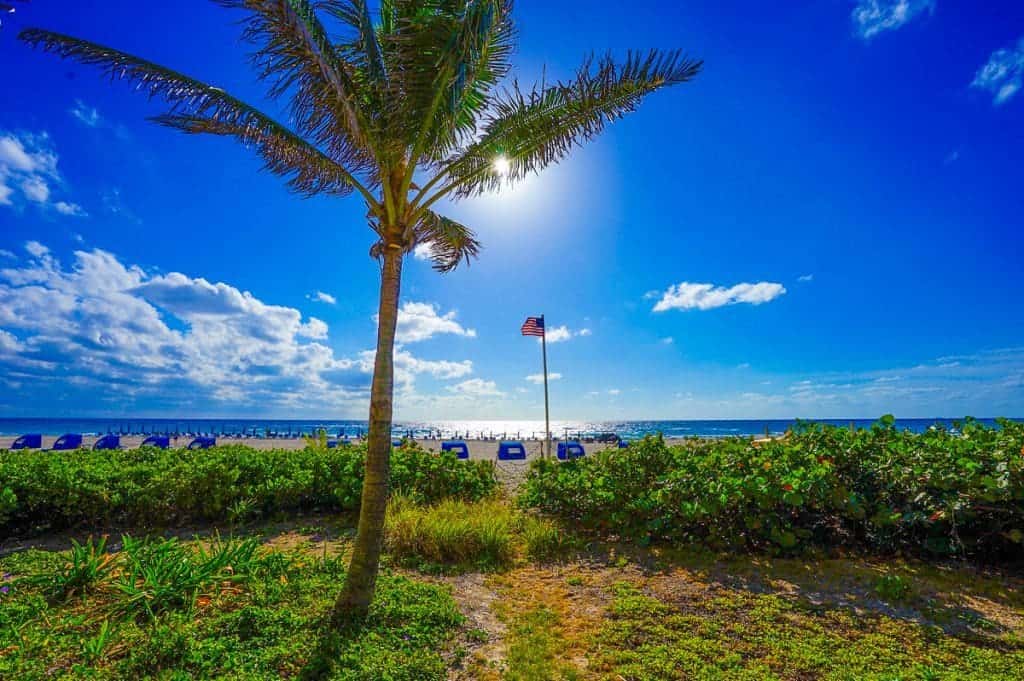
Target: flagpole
544	353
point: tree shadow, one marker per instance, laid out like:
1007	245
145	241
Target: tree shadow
983	606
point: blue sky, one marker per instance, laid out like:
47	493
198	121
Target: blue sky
826	223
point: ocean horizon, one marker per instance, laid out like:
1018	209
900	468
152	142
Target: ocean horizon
427	429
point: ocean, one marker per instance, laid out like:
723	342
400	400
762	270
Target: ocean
481	430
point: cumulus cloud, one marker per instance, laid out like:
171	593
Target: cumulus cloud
28	172
87	115
539	378
321	297
614	391
805	278
4	253
690	296
421	321
559	334
668	340
102	330
871	17
421	252
72	209
1002	75
476	387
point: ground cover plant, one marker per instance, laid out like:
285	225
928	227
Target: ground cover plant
161	608
940	493
149	487
484	535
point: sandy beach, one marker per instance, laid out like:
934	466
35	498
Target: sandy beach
478	449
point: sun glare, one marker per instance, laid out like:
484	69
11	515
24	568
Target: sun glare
501	166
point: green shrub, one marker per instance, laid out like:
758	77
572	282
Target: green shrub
150	487
940	492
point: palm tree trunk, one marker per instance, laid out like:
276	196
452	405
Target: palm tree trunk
355	598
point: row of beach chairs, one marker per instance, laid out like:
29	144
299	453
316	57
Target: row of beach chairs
507	451
71	441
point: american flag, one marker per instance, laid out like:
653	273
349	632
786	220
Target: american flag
533	326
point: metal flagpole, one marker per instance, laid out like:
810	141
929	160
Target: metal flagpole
544	351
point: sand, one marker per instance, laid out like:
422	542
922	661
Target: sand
478	449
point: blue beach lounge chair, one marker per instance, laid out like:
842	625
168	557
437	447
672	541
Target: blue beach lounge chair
68	441
511	451
340	442
396	443
570	450
30	441
460	448
623	444
108	442
158	441
202	442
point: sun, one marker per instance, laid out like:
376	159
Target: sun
502	166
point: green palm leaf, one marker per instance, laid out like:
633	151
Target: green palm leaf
308	171
297	58
450	242
535	129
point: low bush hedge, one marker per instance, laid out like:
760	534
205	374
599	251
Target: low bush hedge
942	492
152	487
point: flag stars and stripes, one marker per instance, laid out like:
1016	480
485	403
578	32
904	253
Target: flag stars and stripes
533	326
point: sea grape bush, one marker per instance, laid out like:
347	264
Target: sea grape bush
942	492
151	487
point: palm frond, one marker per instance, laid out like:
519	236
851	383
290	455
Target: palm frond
307	170
189	98
296	57
537	128
365	49
450	243
475	59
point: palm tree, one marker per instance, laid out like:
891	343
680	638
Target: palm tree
404	111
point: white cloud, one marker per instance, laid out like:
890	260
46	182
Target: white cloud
539	378
1003	74
952	157
86	114
35	189
4	253
805	278
73	209
314	328
476	387
690	296
559	334
420	321
614	391
421	252
28	171
321	297
668	340
36	249
871	17
172	342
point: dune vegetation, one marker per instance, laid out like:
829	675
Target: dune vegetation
828	554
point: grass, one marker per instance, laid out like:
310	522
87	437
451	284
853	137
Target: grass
507	596
484	535
174	610
743	635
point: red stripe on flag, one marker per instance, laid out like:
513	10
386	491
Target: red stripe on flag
533	326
